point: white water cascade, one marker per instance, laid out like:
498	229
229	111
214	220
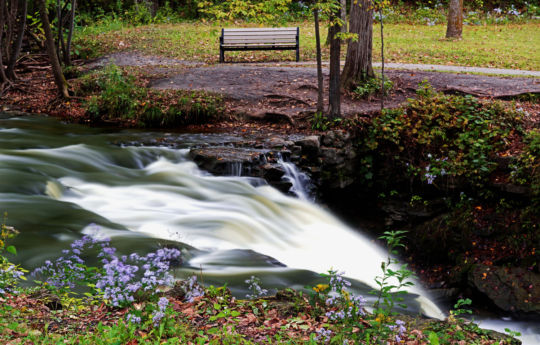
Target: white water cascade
57	179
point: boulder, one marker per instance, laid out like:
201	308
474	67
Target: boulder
512	289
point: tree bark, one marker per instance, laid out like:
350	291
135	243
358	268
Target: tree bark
344	15
454	28
154	8
3	77
334	87
67	56
320	86
358	62
17	45
59	78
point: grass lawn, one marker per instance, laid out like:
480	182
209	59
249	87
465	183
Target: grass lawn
514	46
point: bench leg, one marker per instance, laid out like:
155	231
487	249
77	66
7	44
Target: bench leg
297	54
221	56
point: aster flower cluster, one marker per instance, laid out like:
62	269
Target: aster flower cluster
69	269
193	289
254	284
345	304
9	274
400	329
118	279
323	335
160	314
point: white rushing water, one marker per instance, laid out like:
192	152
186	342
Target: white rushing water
55	180
175	201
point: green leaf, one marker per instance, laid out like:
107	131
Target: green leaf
12	250
433	338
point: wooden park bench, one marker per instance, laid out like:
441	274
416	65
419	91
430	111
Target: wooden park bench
259	39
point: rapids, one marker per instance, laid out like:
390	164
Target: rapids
60	181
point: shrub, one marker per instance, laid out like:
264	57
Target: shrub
116	95
450	136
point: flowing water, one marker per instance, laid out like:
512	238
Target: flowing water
59	181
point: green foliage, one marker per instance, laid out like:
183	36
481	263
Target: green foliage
439	137
10	274
392	281
320	122
372	87
526	171
459	307
113	94
269	11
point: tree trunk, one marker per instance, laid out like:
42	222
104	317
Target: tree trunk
334	87
3	77
358	63
16	51
154	8
320	86
455	19
59	78
67	56
344	15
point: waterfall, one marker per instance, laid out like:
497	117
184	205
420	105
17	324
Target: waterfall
301	183
58	179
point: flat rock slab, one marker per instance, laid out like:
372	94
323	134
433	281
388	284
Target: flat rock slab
263	90
476	85
238	82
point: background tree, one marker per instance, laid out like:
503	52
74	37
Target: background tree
20	24
59	78
320	84
3	77
358	62
454	28
334	85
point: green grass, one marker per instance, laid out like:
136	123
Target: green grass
500	46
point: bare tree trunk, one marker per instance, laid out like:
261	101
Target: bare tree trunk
320	86
454	28
11	11
16	50
59	78
60	48
67	56
154	7
334	87
382	59
358	63
343	15
3	77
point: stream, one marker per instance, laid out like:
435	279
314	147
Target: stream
59	181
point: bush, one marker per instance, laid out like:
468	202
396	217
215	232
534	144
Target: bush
115	95
444	137
373	86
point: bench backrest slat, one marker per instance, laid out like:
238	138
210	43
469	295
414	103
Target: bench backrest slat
259	38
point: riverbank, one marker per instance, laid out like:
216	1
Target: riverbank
359	159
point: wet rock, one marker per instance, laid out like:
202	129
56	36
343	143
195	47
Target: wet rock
332	156
272	172
338	138
310	145
512	289
513	188
222	160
